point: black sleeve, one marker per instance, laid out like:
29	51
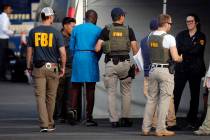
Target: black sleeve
104	34
132	36
60	40
199	45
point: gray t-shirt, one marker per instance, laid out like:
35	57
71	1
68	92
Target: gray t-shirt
46	42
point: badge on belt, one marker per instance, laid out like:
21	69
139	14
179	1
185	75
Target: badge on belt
48	66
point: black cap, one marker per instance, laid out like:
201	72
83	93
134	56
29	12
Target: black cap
116	12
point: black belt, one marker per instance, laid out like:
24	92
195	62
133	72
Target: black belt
116	59
159	65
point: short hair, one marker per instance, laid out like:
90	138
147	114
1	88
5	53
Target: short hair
91	16
197	20
162	19
67	20
5	6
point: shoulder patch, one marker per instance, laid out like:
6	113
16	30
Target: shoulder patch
202	42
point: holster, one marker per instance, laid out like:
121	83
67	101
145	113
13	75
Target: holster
131	72
171	66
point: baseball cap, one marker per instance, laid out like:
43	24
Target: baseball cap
47	11
153	24
116	12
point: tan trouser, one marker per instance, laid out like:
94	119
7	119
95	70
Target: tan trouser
46	83
161	85
171	117
206	124
112	74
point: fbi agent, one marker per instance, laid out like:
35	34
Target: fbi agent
191	44
160	81
116	40
47	46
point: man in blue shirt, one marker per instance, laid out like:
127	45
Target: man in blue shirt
85	67
146	55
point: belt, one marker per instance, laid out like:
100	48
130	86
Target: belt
49	65
155	65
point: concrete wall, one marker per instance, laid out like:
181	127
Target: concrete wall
139	13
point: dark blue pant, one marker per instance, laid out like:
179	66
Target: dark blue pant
180	80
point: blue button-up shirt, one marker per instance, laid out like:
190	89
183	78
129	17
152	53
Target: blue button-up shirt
146	56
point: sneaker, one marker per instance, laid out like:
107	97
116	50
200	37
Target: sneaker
43	129
126	122
90	122
165	133
50	129
201	132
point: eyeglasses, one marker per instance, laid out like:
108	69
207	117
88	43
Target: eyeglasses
189	21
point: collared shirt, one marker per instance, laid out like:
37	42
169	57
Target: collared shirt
192	50
4	26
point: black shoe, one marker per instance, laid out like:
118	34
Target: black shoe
43	129
72	117
115	124
90	122
190	127
126	122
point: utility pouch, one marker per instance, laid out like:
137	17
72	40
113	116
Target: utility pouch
131	72
106	47
115	60
39	63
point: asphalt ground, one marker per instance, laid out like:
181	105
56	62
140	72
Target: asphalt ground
18	121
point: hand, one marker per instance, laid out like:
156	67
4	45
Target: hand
29	70
61	72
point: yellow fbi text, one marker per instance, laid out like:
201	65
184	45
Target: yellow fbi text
154	44
43	39
117	34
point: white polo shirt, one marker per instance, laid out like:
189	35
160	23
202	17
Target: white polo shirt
4	26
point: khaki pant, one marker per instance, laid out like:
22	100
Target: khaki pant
161	85
206	124
46	83
171	117
112	74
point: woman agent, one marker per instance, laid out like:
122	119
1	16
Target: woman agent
191	44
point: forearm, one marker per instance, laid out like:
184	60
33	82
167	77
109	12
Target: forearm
29	57
63	57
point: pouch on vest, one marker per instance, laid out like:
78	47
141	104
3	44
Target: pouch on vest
106	47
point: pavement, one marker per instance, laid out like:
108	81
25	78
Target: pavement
18	121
